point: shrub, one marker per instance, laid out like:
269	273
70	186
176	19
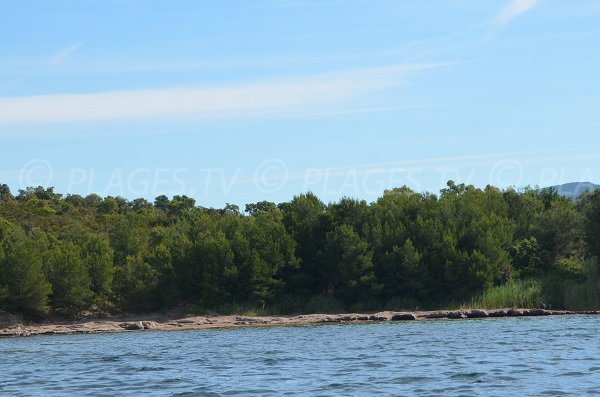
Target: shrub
524	294
323	304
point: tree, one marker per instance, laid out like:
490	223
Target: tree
210	269
526	256
307	221
135	284
590	207
5	193
23	285
349	265
97	254
403	273
253	209
69	277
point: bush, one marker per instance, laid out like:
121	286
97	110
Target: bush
585	296
402	303
287	304
323	304
523	294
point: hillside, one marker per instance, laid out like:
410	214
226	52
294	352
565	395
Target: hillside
575	189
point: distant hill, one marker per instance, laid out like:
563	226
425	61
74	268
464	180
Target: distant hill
575	189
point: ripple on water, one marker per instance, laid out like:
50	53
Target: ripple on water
495	357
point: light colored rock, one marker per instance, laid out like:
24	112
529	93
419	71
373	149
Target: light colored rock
515	312
436	315
149	324
133	326
536	312
404	317
476	313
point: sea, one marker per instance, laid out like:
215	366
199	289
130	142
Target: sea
528	356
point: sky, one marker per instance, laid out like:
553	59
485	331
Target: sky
242	101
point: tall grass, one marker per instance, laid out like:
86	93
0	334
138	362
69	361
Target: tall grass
287	304
402	303
585	296
523	294
323	304
551	292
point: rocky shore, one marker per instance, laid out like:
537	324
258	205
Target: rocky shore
10	326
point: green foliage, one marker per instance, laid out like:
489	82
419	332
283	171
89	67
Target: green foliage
23	285
287	304
98	256
400	303
584	296
526	256
69	277
522	294
349	266
323	304
590	208
406	250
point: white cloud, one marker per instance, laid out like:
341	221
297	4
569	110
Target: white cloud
258	99
512	10
61	55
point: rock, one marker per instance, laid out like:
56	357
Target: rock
436	315
476	313
404	317
382	316
498	313
515	312
456	314
536	312
135	326
558	312
8	320
446	314
149	324
250	320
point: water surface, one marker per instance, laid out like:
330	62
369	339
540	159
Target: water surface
545	356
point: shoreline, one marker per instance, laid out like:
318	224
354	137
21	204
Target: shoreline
136	323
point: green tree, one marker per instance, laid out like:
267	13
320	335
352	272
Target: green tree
69	277
526	256
590	209
349	265
23	285
403	273
98	256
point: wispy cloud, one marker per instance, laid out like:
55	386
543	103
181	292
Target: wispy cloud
17	80
61	55
258	99
56	59
512	10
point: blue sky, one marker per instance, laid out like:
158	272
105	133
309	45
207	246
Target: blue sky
240	101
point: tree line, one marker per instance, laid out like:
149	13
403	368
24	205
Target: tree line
65	255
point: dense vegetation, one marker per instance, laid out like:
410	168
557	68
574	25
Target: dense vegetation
73	254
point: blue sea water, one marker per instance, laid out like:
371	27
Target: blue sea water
542	356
